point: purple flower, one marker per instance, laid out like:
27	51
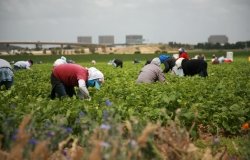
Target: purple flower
68	130
50	134
32	141
108	103
105	126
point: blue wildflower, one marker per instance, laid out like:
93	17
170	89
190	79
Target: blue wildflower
108	103
50	134
105	126
68	130
32	141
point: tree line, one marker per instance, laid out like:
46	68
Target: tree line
237	45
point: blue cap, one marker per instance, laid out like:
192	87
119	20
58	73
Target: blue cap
163	57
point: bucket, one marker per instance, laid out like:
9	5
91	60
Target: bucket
230	55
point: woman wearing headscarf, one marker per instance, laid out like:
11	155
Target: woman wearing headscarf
6	74
67	76
60	61
183	53
151	73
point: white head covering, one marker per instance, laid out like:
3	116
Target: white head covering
181	50
95	74
63	58
156	61
59	62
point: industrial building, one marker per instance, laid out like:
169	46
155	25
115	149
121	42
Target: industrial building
84	39
134	39
222	39
107	40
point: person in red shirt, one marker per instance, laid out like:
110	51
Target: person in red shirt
67	76
183	54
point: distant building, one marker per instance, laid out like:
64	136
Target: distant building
134	39
222	39
106	40
84	39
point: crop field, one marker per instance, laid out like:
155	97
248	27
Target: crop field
125	120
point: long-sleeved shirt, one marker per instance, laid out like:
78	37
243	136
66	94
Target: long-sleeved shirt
150	73
23	64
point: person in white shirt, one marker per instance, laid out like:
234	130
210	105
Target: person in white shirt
23	65
60	61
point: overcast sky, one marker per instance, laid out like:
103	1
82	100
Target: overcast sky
185	21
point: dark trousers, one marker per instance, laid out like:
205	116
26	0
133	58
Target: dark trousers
59	89
7	84
194	66
16	68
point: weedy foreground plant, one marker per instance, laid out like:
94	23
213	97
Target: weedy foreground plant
106	142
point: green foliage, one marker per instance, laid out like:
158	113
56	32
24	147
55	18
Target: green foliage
220	101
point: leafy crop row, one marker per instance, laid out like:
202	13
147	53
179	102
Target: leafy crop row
220	103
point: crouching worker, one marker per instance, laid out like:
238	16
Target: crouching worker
23	65
6	74
67	76
117	63
151	73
